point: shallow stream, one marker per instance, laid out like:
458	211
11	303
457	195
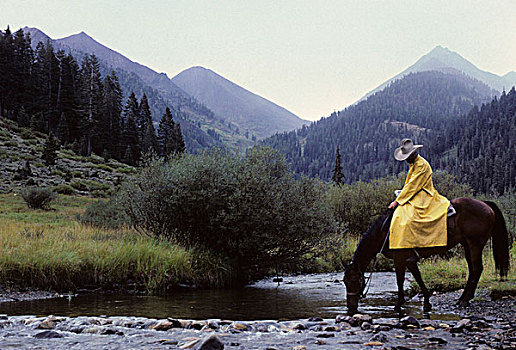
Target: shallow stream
296	297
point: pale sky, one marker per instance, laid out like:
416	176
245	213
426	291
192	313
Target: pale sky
311	57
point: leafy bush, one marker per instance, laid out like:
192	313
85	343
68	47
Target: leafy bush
250	209
64	189
11	143
26	134
447	185
355	206
106	214
101	166
91	185
38	198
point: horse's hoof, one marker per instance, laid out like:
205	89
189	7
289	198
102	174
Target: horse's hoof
463	303
427	307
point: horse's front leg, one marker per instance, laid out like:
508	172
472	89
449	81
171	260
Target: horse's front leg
414	270
399	267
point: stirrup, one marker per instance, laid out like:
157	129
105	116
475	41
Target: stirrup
414	258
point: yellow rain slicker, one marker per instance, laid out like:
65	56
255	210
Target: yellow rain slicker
420	218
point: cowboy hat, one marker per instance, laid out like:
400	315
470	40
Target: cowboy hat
406	149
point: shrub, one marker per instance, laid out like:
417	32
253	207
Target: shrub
37	198
26	134
106	214
355	206
251	209
64	189
11	143
90	185
101	166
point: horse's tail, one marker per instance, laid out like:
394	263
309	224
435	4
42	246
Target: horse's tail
500	241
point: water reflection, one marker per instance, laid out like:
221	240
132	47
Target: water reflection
296	297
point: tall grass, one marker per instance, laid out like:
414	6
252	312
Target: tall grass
451	274
49	249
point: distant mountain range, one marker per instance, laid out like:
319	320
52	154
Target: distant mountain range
447	61
233	116
238	105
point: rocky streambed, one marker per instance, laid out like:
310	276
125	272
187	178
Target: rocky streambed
343	332
486	324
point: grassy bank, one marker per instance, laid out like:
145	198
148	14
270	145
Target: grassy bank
451	274
50	249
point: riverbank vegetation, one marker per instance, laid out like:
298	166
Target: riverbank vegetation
210	220
50	249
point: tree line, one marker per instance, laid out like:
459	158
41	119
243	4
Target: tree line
49	91
434	109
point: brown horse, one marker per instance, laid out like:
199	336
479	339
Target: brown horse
473	224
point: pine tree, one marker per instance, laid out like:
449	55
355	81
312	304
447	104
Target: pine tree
112	110
144	116
130	133
337	170
148	139
165	134
179	142
91	101
50	150
63	129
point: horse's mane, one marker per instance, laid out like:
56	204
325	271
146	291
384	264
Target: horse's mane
372	240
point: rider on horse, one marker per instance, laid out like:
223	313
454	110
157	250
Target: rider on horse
420	216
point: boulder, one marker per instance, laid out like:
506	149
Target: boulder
409	321
48	335
162	325
46	324
211	342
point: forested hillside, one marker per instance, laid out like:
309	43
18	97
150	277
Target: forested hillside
482	146
202	128
423	106
50	92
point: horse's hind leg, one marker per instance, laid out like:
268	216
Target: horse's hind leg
475	267
414	270
400	261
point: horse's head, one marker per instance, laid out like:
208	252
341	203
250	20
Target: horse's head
355	284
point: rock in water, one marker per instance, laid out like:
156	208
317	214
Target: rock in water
210	343
48	335
410	321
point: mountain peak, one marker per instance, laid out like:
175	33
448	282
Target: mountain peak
82	37
36	35
235	104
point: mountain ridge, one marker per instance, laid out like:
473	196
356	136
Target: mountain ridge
443	59
83	43
239	105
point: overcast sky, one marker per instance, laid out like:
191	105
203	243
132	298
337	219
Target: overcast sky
311	57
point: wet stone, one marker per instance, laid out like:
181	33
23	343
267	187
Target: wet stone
331	329
197	325
461	326
299	326
163	325
315	319
345	318
365	325
325	335
380	337
212	342
48	335
46	324
437	340
92	330
409	321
